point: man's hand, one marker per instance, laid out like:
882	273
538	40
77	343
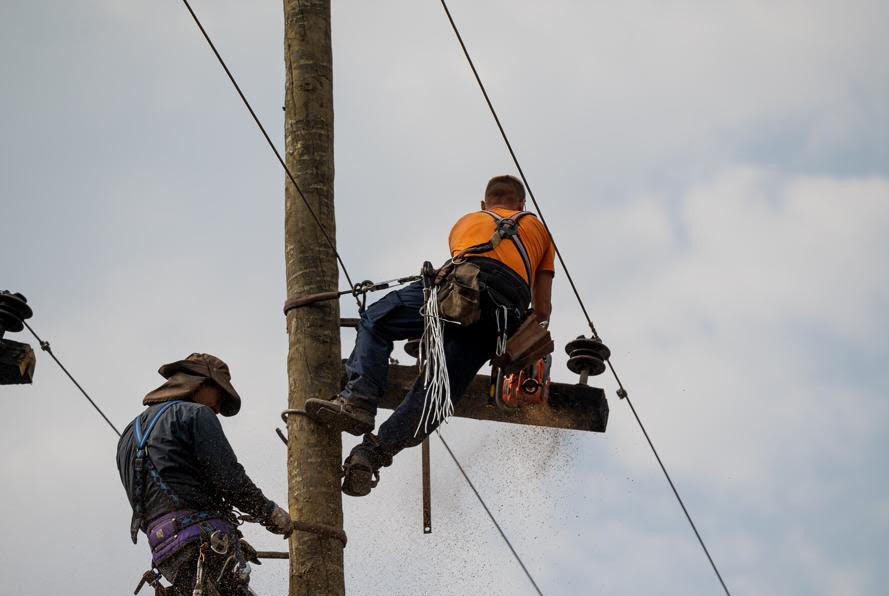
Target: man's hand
279	522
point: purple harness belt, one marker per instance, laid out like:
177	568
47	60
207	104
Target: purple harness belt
170	532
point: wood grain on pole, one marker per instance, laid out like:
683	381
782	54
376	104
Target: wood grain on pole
314	454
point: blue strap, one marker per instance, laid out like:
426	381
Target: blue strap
137	424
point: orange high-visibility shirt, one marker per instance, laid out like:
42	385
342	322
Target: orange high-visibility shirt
477	228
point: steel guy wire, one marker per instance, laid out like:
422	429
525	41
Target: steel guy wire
622	392
270	143
491	515
44	345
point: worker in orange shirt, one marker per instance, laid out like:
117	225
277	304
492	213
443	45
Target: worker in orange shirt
512	275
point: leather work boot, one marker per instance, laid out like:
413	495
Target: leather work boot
359	475
361	470
341	414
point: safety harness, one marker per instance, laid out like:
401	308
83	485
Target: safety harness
504	227
452	294
143	465
173	530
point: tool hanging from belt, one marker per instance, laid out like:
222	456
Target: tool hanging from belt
152	577
526	387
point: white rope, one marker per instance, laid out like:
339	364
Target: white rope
437	404
502	325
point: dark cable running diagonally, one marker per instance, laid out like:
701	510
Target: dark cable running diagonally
622	392
268	140
488	511
44	345
345	272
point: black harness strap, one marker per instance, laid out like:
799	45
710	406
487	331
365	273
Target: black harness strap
504	227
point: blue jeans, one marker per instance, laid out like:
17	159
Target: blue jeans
397	316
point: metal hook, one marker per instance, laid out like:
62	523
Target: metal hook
219	542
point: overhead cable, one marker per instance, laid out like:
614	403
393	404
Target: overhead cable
342	264
490	515
44	345
268	140
622	392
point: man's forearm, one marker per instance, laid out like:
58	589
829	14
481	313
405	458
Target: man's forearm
220	465
542	300
542	308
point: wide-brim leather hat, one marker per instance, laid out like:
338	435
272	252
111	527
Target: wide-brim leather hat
185	376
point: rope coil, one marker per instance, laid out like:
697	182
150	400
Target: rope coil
437	404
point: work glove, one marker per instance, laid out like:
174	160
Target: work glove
279	522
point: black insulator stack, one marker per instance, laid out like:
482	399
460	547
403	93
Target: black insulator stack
587	356
13	310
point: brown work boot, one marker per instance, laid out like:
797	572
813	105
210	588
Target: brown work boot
361	470
359	473
341	414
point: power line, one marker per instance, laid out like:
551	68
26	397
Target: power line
678	498
488	511
44	345
622	392
518	166
268	140
342	264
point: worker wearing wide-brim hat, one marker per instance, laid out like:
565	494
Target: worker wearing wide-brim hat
185	376
182	477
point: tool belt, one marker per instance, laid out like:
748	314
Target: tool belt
461	283
172	531
459	292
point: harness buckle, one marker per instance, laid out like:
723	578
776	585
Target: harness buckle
507	227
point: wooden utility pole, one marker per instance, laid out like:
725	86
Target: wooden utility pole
313	361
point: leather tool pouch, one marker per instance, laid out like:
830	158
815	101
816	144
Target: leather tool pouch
527	345
459	292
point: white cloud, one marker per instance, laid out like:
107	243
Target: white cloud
744	297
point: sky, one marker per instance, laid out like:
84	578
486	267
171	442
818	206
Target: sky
715	173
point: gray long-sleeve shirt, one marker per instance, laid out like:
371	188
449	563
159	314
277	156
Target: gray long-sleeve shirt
194	459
